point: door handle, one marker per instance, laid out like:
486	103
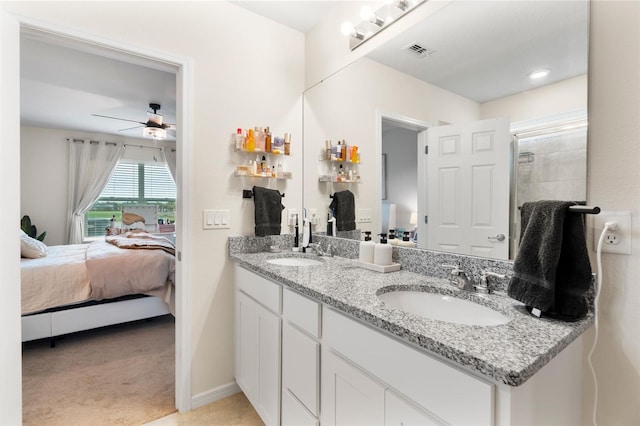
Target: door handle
499	237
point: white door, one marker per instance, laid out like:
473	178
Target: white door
465	176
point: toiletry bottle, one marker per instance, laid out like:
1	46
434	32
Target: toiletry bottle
287	143
406	240
331	225
383	251
392	240
251	141
238	140
296	237
267	140
354	154
327	147
367	248
263	165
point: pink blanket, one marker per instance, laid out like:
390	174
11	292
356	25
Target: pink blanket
115	271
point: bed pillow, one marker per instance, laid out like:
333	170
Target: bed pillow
30	247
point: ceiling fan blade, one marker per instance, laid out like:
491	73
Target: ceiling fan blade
169	126
116	118
130	128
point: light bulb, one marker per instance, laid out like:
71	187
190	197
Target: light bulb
538	74
346	28
366	13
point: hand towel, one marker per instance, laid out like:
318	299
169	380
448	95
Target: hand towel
552	271
344	210
268	211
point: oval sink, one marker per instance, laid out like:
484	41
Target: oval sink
443	308
294	261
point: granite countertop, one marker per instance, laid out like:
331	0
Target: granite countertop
510	353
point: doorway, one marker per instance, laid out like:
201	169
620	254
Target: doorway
183	70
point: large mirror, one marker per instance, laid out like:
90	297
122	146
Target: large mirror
459	82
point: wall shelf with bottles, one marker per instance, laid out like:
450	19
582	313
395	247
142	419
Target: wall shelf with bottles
268	154
340	163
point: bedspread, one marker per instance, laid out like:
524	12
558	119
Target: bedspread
59	278
115	272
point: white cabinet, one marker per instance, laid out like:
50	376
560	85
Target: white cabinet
436	387
400	412
349	396
300	357
258	343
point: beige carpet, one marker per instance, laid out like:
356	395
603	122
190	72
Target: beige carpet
121	375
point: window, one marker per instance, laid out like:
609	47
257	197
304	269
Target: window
133	183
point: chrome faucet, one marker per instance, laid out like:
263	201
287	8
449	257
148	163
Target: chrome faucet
459	278
317	248
485	283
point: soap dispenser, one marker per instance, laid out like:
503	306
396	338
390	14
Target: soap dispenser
383	252
367	248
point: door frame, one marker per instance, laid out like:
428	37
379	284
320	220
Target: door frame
408	123
183	68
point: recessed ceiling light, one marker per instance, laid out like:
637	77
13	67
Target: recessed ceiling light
538	74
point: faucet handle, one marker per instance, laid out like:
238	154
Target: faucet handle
484	286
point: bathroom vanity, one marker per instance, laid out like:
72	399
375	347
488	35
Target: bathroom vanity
315	345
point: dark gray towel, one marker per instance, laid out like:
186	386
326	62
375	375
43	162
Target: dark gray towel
552	270
344	210
268	214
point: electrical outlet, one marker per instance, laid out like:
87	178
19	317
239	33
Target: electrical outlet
618	241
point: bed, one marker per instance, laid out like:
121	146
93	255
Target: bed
83	286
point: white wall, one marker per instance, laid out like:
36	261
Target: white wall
248	71
10	349
554	99
614	184
347	106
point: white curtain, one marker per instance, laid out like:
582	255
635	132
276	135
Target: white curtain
170	159
90	167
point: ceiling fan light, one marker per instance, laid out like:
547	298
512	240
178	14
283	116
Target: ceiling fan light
154	133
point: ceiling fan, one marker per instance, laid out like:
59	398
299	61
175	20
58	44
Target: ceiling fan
154	127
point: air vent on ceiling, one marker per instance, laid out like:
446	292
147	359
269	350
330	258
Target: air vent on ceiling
421	52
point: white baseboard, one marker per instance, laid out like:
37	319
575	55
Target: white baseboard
214	394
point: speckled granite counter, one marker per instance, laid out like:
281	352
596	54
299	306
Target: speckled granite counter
509	353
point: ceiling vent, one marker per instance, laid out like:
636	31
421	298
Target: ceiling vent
416	50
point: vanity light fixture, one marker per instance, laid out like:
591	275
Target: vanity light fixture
538	74
373	21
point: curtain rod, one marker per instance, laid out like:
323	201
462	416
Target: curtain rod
127	145
553	128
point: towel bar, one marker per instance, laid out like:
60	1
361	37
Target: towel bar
247	193
581	209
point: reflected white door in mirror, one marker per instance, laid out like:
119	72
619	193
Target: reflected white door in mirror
466	170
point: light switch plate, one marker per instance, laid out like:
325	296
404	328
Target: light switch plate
364	215
215	219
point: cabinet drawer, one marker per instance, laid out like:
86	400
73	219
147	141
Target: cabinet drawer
266	292
302	311
434	385
301	367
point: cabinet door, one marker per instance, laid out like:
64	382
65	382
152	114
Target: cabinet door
246	356
258	357
349	396
399	412
294	413
269	332
301	367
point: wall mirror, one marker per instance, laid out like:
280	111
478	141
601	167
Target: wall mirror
459	81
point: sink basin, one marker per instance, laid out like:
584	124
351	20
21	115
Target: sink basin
443	308
294	261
